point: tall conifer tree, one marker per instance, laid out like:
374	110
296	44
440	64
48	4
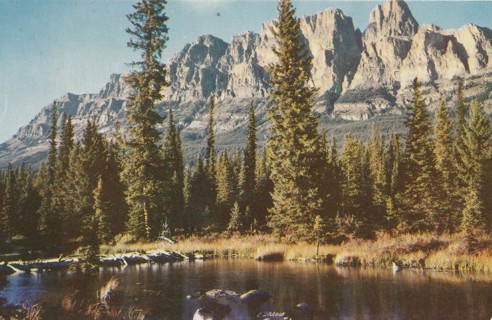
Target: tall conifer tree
210	163
393	183
249	163
50	218
377	176
294	141
477	162
143	164
174	174
445	166
419	167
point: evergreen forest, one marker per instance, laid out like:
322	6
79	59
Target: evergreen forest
301	186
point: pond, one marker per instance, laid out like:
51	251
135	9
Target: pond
332	292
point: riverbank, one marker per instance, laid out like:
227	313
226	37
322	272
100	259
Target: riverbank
420	251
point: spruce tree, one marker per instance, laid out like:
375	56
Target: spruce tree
353	218
197	211
102	214
9	205
393	183
235	220
448	216
293	134
114	190
66	145
174	175
143	164
419	198
249	163
476	160
460	147
377	176
263	190
30	201
63	167
51	221
210	165
333	182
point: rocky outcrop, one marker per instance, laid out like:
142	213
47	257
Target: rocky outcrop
386	42
359	76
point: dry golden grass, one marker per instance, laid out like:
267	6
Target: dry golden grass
418	251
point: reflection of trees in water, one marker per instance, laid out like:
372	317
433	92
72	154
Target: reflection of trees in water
332	292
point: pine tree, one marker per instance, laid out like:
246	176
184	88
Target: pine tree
353	218
476	160
66	145
235	220
293	140
174	175
87	166
377	176
30	201
197	211
447	214
249	163
210	165
143	164
50	223
393	183
75	183
52	154
263	189
460	147
63	167
115	192
225	192
9	205
102	215
333	182
419	168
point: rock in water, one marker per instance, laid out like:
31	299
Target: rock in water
212	310
255	297
270	315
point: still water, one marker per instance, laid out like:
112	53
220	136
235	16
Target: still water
332	292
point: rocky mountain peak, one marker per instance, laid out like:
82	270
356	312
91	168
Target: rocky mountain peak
116	88
393	18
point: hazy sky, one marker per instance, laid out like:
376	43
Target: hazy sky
51	47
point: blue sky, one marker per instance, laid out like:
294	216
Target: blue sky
51	47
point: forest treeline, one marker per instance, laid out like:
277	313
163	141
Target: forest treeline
300	187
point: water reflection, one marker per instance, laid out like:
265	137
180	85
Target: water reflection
332	292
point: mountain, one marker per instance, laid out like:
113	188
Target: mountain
361	77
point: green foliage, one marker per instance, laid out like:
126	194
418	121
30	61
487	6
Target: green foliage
143	163
448	204
356	196
197	211
211	166
294	141
235	220
264	187
419	198
377	175
50	218
249	163
174	201
393	183
477	162
227	189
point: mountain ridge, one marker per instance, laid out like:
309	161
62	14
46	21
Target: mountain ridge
360	75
